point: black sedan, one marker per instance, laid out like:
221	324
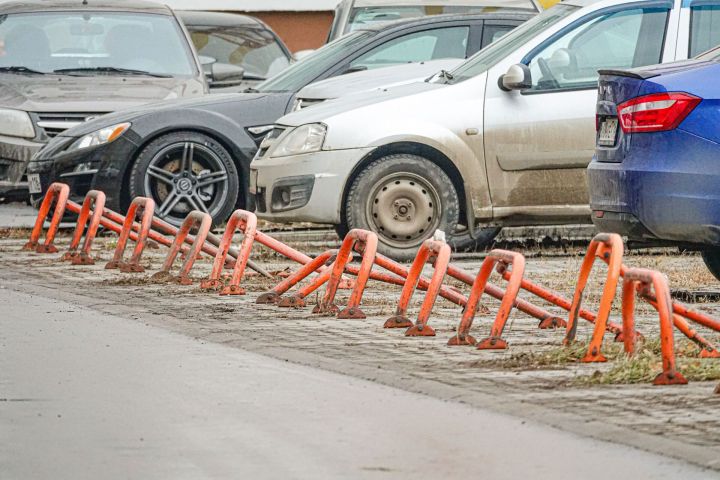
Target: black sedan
195	154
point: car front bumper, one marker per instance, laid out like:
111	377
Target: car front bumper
667	196
303	188
15	153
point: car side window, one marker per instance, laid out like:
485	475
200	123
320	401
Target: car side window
704	28
494	32
449	42
624	39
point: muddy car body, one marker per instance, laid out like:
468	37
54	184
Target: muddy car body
63	62
502	141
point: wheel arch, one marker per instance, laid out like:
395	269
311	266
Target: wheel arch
412	148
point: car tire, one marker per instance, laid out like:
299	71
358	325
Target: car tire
404	199
184	171
712	261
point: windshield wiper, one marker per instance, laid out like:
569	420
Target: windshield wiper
251	90
20	69
449	77
126	71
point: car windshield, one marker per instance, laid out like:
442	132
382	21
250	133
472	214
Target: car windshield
495	52
363	16
255	50
309	68
107	43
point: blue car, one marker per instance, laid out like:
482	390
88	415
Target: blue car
655	176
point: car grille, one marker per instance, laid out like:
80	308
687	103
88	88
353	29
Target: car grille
53	124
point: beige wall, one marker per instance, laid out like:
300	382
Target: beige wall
299	30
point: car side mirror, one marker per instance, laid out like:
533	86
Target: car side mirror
225	75
518	77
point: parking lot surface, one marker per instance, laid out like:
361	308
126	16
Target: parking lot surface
678	422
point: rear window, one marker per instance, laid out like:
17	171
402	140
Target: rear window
255	50
57	41
704	28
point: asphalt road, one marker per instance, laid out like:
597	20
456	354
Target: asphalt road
85	395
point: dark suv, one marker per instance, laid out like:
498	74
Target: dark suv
62	62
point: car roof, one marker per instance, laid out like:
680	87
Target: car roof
432	19
219	19
29	6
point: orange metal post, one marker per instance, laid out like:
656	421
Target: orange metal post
366	243
57	193
96	200
439	252
503	259
275	295
608	246
246	222
195	218
639	279
147	205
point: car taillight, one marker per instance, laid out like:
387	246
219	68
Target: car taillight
656	112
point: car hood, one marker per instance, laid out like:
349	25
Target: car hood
97	93
331	108
342	85
222	101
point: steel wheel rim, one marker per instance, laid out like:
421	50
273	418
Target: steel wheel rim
186	176
403	209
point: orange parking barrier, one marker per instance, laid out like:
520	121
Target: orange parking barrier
274	296
365	243
58	194
246	222
503	259
147	206
637	280
96	200
203	222
609	247
439	253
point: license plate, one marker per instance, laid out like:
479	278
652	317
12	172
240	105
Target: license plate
608	132
34	183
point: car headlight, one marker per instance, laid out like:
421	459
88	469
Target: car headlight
303	139
16	123
99	137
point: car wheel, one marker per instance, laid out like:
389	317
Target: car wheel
404	198
185	171
712	261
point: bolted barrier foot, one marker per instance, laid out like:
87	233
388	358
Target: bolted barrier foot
398	321
420	331
161	276
46	248
293	301
183	280
68	256
552	322
210	284
82	259
129	267
326	310
460	340
29	246
594	357
709	353
717	389
492	343
351	313
268	298
670	378
232	290
112	265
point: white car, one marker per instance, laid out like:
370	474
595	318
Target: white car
502	141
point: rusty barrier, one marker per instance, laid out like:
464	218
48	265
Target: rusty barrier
502	259
274	296
439	253
246	222
198	219
637	280
57	194
94	199
145	207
